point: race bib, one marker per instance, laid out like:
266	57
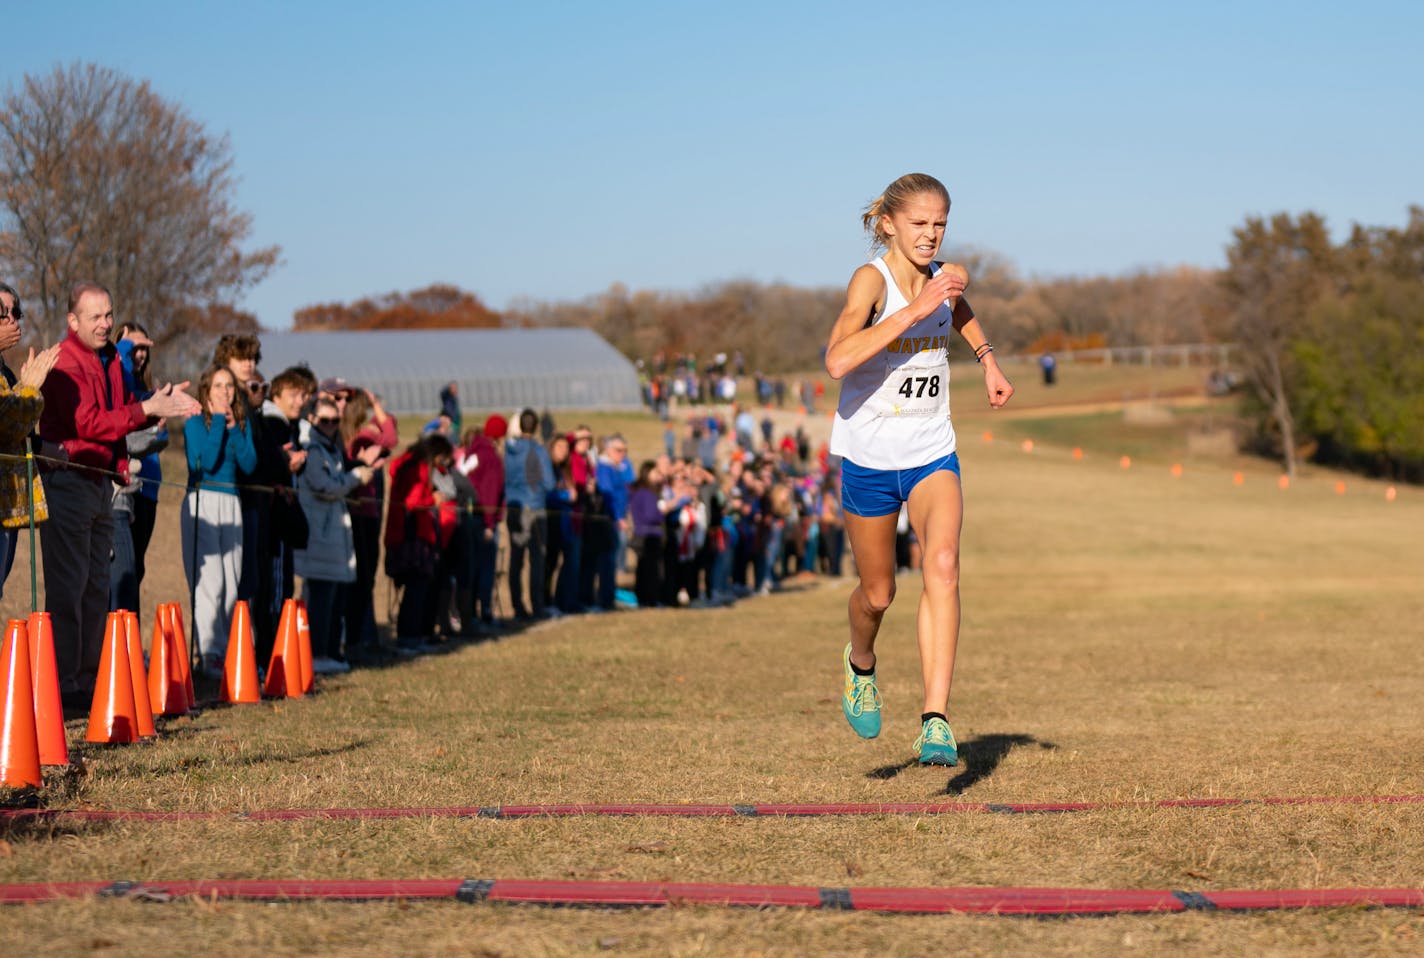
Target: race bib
914	390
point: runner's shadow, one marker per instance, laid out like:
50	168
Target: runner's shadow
978	758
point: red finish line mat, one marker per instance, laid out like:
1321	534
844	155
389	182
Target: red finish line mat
982	901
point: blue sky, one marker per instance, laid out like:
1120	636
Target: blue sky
541	152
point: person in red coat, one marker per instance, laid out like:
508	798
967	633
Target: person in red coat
89	412
416	530
482	461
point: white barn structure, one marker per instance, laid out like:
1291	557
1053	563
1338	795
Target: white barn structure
503	369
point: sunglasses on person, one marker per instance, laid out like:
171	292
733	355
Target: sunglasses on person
327	420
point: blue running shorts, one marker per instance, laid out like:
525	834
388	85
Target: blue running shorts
879	492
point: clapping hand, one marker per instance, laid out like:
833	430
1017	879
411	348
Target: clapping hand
220	405
296	457
37	367
170	400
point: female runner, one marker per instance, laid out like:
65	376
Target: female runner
892	429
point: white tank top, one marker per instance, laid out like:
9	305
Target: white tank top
894	408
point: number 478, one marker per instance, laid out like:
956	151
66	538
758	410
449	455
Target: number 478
928	386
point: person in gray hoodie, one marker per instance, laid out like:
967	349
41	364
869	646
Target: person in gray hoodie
328	563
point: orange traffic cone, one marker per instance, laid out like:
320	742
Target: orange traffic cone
304	646
143	707
179	666
165	678
49	710
19	743
239	681
284	672
113	718
185	661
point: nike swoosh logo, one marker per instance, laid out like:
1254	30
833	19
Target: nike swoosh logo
942	322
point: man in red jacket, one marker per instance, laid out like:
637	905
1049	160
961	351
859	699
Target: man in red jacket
88	412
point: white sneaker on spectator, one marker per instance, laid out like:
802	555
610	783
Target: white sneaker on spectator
326	666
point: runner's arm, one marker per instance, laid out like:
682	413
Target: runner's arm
853	342
997	384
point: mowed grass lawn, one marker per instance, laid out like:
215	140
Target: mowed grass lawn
1127	636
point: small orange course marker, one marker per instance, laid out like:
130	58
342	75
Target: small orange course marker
1125	462
1176	470
1390	494
988	436
1028	445
1078	453
1283	482
1238	478
1340	487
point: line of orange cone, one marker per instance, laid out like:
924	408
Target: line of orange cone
127	697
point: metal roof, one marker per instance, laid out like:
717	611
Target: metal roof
563	368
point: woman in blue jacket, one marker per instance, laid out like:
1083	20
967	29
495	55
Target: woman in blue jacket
219	445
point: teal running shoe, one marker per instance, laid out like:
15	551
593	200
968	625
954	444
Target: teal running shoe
860	700
936	744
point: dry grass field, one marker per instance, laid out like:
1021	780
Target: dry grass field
1128	636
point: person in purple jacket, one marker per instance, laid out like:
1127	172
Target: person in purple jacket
645	508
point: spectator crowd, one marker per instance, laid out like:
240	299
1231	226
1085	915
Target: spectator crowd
305	478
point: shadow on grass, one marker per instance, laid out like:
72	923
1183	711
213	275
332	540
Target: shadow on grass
41	829
978	757
981	756
256	757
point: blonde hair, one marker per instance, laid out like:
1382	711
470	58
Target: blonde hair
895	196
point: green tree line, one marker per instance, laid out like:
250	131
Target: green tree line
1332	340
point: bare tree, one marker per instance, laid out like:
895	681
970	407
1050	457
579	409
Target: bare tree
103	180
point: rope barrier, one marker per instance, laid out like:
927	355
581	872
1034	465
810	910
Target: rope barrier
997	901
65	464
767	810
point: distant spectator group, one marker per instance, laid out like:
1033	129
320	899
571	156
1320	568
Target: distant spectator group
300	477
